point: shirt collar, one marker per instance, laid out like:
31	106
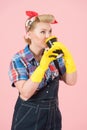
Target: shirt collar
28	53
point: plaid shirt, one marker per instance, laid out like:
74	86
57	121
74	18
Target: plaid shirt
23	65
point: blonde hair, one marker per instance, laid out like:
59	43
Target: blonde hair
31	23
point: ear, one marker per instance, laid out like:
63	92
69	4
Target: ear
27	35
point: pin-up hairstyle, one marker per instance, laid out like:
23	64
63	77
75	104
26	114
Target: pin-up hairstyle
34	18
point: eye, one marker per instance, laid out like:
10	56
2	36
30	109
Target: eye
50	31
43	32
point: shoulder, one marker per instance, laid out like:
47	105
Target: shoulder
20	54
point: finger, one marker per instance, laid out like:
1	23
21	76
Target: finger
53	55
58	51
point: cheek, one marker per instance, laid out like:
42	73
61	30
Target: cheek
40	38
37	37
34	37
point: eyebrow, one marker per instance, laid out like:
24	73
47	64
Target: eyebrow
46	29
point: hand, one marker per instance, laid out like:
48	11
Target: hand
47	58
69	62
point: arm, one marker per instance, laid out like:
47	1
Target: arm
70	79
28	87
70	76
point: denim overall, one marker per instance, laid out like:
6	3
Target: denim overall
40	112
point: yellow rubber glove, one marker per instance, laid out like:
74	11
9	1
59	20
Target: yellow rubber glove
69	62
46	59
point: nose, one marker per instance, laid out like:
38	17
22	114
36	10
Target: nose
48	35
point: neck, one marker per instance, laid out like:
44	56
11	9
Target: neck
37	52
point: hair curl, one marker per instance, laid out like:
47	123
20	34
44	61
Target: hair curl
46	18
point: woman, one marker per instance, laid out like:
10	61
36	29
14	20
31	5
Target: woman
33	72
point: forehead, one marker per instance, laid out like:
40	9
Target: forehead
43	25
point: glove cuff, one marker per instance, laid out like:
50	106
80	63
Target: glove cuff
38	74
70	66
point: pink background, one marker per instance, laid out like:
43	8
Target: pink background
71	30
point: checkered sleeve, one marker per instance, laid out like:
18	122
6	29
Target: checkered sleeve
17	71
